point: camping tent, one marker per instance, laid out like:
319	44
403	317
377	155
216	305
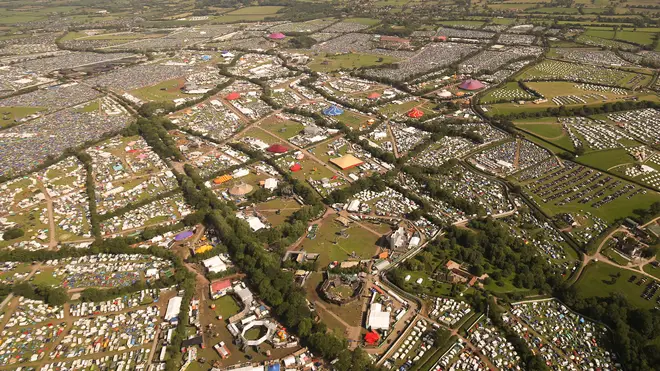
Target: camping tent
295	167
374	95
333	111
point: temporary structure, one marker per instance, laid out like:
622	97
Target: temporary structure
232	96
415	113
333	111
240	189
347	162
277	148
276	36
471	85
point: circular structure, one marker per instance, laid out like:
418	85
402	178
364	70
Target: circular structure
295	167
240	189
277	36
373	95
342	289
333	111
471	85
277	148
415	113
444	94
270	330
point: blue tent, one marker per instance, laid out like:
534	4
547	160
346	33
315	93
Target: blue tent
333	111
275	367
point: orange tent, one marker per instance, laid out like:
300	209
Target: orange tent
415	113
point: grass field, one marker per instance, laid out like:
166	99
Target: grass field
162	92
359	240
605	159
9	114
252	10
600	279
547	129
326	62
282	128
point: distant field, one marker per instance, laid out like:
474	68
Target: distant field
599	279
9	114
253	10
326	63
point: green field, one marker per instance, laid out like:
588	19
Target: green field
599	279
605	159
165	91
547	129
252	10
9	114
327	62
359	240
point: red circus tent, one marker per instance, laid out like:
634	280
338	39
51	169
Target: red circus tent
276	36
277	148
371	337
471	85
295	167
415	113
373	95
233	96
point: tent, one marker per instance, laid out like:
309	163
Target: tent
277	148
371	337
276	36
444	94
471	85
183	235
373	95
232	96
346	162
295	167
240	189
223	178
333	111
415	113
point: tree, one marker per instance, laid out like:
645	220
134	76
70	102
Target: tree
57	297
13	233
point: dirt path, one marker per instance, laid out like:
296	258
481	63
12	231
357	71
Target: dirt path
395	146
597	256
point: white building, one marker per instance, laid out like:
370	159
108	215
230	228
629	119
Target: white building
378	319
173	308
215	264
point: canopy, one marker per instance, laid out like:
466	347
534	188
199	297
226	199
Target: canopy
276	36
374	95
295	167
333	111
183	235
471	85
240	190
415	113
233	96
277	148
371	337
